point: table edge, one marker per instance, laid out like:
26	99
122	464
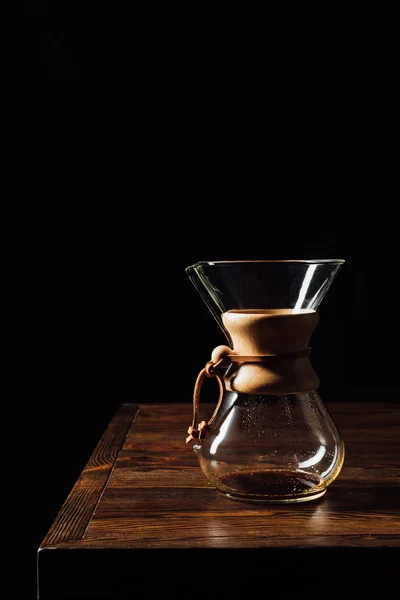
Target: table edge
85	496
75	514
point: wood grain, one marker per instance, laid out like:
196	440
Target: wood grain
157	496
75	514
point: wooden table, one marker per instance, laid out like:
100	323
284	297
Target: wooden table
142	521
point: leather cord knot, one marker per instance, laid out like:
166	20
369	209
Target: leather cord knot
196	433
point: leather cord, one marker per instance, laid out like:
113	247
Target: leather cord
198	430
236	358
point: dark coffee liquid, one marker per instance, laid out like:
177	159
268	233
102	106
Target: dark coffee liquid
258	484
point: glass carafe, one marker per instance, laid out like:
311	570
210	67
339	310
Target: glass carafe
270	438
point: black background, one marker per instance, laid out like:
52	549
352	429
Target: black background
138	149
112	323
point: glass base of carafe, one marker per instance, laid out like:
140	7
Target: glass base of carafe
271	486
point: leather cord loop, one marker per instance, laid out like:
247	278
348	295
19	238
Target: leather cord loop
198	430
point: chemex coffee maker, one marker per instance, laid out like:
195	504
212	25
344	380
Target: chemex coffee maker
270	438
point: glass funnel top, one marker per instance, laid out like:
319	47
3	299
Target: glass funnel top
263	284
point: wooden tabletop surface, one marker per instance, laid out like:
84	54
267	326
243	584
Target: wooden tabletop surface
143	488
